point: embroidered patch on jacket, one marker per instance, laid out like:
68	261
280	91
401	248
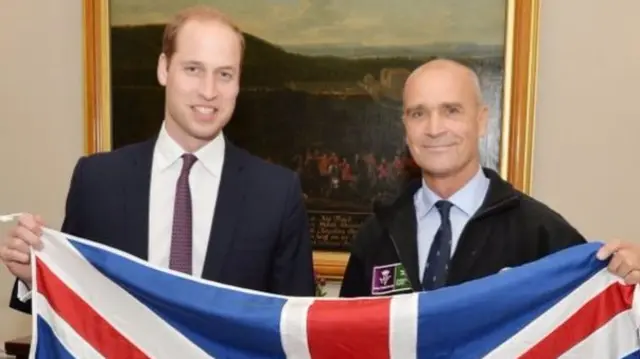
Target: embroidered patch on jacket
389	278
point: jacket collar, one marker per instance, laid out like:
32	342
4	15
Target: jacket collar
500	194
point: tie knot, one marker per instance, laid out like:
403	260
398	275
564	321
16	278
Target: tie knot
444	207
188	159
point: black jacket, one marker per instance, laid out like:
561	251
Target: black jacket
509	229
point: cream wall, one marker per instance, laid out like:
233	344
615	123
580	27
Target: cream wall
40	117
587	115
586	162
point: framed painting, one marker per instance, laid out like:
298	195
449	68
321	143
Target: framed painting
321	90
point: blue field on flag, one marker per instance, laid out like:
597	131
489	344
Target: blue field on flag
224	322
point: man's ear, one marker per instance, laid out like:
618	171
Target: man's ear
163	69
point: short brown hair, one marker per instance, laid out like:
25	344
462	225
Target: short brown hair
198	12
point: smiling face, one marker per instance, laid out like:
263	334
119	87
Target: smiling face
444	119
202	80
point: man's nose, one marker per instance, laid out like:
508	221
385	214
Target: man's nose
209	88
434	126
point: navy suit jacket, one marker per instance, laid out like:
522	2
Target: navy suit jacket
259	237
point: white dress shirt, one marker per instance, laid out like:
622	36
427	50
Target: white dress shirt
466	202
204	181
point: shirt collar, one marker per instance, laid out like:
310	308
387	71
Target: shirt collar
468	199
169	151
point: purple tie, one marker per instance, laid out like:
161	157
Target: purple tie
180	259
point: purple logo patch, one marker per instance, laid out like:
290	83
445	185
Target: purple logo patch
383	280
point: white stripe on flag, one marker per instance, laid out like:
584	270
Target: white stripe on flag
403	326
135	321
635	306
293	328
65	335
539	328
616	339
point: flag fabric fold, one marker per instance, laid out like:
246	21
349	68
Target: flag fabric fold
91	301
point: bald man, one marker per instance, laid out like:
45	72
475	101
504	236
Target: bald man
461	221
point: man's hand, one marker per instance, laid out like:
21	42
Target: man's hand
625	260
14	249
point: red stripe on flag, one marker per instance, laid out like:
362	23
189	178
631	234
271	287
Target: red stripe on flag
363	333
90	325
588	319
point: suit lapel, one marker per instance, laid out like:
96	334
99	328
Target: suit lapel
399	218
403	231
136	202
229	204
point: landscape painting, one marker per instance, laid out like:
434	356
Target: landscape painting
321	89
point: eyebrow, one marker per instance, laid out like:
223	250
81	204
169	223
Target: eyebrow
198	63
191	62
451	105
415	108
231	68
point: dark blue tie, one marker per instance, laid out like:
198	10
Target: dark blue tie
437	266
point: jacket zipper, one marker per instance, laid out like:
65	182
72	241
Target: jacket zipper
395	247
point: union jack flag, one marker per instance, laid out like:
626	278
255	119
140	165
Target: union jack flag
91	301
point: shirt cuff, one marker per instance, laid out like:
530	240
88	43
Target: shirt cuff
24	293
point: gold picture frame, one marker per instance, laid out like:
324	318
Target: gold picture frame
516	147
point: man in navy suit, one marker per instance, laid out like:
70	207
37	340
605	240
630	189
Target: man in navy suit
188	199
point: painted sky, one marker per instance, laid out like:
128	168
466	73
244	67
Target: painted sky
364	22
